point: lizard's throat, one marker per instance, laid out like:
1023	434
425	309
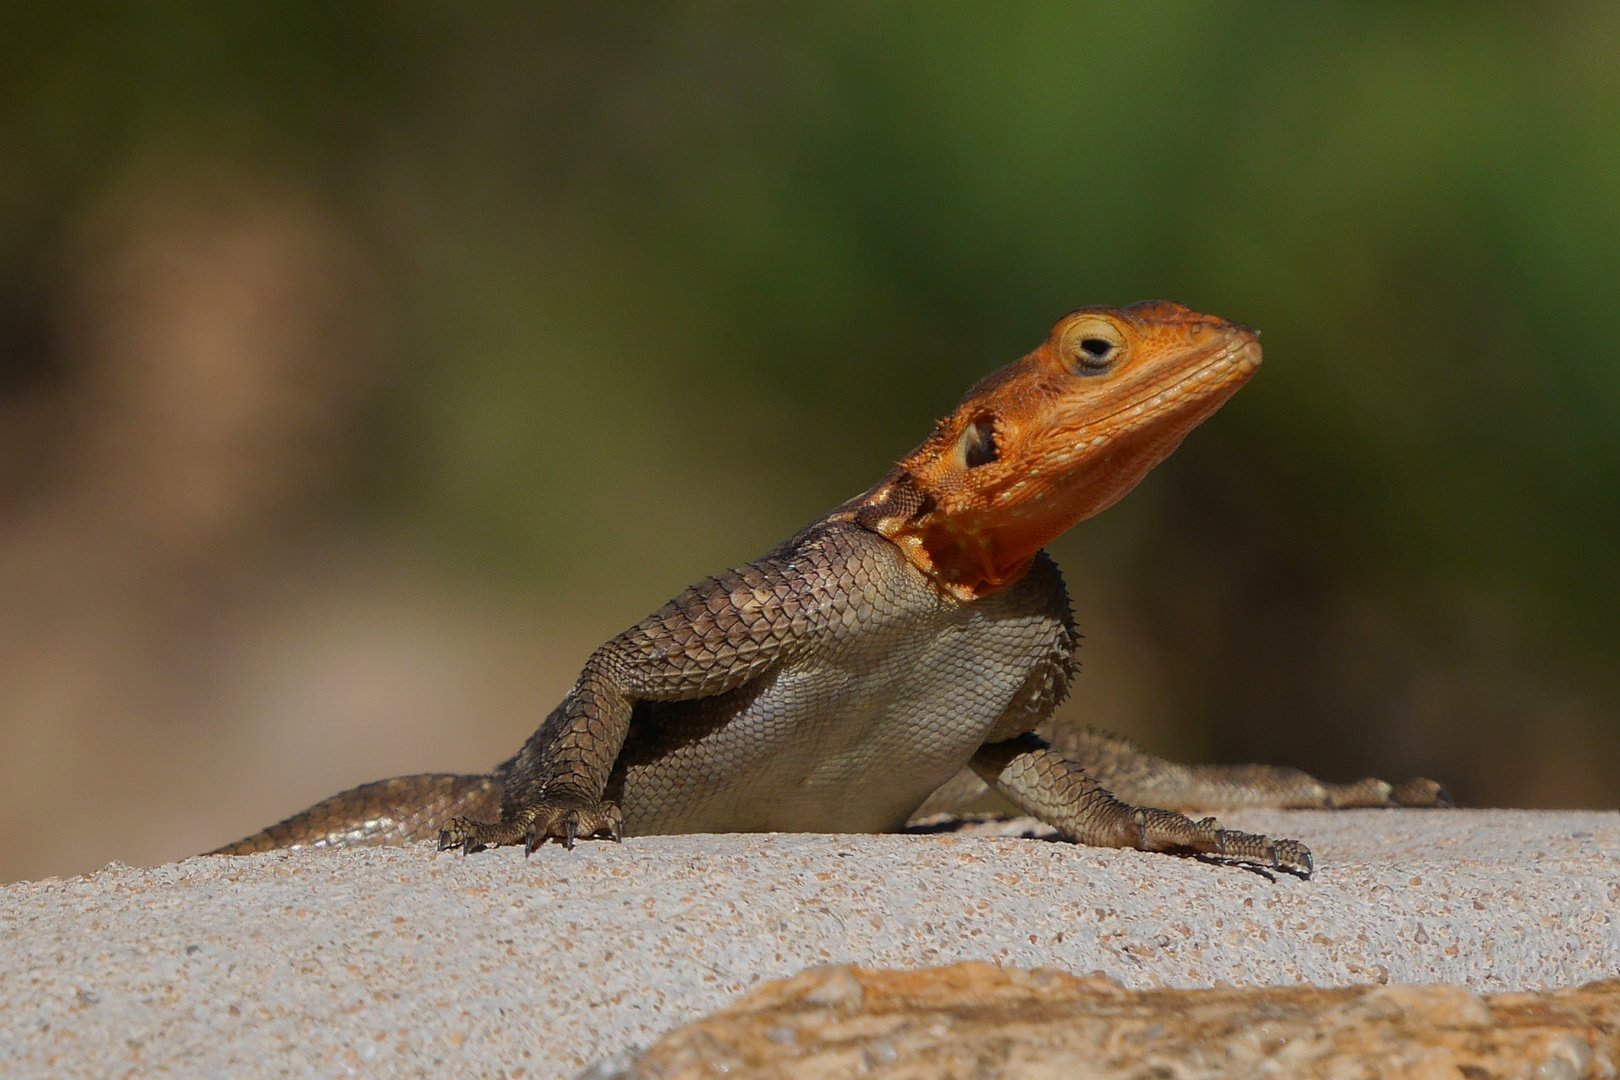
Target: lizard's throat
976	542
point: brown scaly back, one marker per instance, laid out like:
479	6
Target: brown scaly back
1055	437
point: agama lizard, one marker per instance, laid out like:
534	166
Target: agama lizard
916	631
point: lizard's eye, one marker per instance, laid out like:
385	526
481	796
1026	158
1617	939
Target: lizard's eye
978	443
1092	345
1095	354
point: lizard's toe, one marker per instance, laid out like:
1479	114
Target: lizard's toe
1420	791
471	836
463	833
569	821
1152	829
1293	855
1263	850
565	820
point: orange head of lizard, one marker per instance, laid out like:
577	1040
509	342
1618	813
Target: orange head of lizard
1056	437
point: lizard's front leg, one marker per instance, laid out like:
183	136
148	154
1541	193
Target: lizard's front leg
713	638
1041	782
553	787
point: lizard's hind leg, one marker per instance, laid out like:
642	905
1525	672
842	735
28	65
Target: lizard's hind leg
1139	777
1040	781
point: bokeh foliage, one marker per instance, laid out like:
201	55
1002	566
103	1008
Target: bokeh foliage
669	281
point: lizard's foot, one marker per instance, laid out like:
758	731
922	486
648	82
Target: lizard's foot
559	818
1041	782
1163	830
1417	791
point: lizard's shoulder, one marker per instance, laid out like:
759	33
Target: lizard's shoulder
828	545
790	592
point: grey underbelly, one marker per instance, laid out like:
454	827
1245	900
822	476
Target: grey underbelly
841	744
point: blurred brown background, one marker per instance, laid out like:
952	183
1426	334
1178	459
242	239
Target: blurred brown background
364	365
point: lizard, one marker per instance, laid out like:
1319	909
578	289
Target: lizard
917	633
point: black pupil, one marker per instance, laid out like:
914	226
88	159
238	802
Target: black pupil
981	444
1096	347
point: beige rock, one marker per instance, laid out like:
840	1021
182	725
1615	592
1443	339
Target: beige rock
978	1020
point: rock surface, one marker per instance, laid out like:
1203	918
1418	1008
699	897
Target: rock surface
410	961
976	1020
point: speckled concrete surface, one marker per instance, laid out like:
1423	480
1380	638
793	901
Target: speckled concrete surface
412	962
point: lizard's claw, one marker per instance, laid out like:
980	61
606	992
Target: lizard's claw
559	818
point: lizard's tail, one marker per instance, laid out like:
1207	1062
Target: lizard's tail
388	812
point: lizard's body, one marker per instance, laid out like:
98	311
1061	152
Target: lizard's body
838	681
885	655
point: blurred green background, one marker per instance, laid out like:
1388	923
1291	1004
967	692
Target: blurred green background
362	366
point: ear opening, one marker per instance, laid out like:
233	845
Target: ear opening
978	442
